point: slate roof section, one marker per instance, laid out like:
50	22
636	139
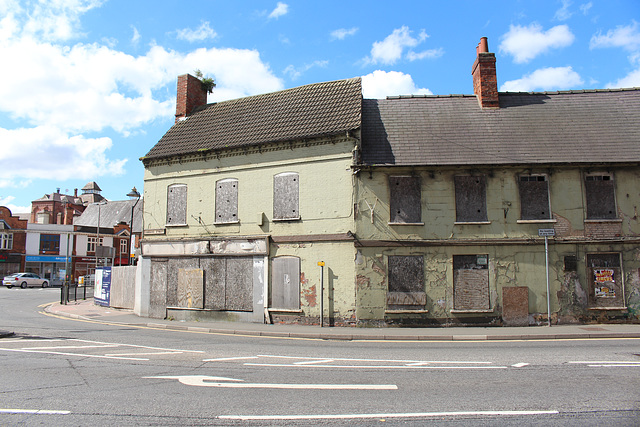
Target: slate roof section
597	126
303	112
112	213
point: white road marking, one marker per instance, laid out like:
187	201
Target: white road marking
520	365
140	346
207	381
378	360
224	359
145	354
618	365
311	362
34	411
607	362
277	365
382	416
66	347
60	353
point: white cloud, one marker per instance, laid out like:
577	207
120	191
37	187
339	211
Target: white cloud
380	84
563	13
61	94
626	37
294	72
558	78
585	7
136	36
525	43
431	53
391	48
66	156
203	32
15	209
55	21
280	10
342	33
630	80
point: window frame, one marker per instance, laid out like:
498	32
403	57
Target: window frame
282	204
91	243
465	201
175	217
526	212
590	186
230	214
6	241
477	265
49	243
405	200
403	296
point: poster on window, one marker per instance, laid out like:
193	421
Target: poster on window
604	283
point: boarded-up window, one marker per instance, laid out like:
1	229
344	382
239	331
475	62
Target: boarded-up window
285	196
190	288
605	277
226	201
600	195
177	204
228	283
285	283
404	199
406	283
534	197
471	199
470	282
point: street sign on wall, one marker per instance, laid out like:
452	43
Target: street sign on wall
546	232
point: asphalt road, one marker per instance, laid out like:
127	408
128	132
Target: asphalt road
59	371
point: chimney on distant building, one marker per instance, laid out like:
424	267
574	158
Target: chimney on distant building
191	95
485	82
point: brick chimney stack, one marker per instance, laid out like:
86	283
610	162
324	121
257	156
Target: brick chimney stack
190	96
485	82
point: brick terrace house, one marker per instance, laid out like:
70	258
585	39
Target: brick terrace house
12	242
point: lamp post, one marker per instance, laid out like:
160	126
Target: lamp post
133	194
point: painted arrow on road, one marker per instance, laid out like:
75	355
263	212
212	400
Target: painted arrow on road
222	382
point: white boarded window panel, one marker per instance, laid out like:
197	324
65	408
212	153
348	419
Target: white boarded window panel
286	196
226	201
177	204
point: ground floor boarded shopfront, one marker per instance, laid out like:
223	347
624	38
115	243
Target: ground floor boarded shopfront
498	284
252	280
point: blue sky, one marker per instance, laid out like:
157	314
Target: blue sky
88	86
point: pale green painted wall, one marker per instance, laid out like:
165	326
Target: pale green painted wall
509	264
326	192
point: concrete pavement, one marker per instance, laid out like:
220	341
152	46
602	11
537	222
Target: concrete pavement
88	311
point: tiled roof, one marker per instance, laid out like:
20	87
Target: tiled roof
303	112
597	126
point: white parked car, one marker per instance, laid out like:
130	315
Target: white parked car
24	280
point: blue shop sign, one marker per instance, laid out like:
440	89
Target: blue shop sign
45	258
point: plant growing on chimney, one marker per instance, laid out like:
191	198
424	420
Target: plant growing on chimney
207	82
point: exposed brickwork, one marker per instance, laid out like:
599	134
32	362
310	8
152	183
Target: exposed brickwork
485	82
603	230
190	95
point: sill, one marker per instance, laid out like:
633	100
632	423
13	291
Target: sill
472	223
455	311
188	308
606	308
406	223
537	221
286	219
603	220
406	311
227	223
285	310
175	225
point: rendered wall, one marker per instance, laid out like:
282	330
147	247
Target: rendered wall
515	252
